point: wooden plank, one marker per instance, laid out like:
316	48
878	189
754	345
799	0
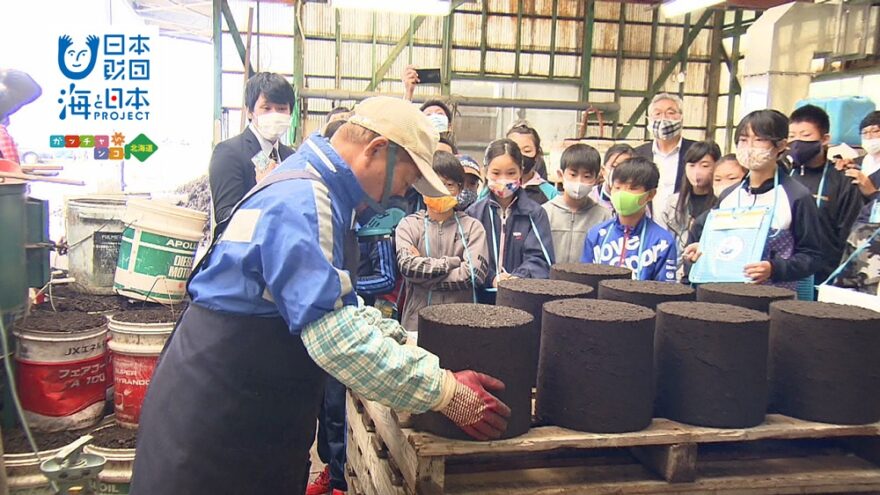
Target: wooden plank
819	474
661	432
431	476
375	469
676	463
392	436
354	461
866	448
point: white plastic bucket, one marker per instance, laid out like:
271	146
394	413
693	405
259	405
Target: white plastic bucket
115	478
157	251
136	348
62	377
23	475
94	229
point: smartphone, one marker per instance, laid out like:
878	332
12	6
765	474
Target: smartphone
428	76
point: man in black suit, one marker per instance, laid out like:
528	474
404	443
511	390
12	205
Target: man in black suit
668	148
238	163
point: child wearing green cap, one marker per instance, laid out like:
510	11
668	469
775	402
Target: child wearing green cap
632	239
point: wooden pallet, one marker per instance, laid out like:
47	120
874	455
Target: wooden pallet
783	455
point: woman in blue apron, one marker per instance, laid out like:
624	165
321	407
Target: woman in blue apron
520	240
793	244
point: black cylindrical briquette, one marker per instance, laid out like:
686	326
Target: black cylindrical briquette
588	273
596	371
825	362
486	339
711	364
647	293
529	295
751	296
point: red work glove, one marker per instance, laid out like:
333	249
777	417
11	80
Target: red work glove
476	411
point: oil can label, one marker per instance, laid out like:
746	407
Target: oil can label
62	389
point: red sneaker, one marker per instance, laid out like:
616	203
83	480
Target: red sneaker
321	485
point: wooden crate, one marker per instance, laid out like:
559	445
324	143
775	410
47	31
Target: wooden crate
783	455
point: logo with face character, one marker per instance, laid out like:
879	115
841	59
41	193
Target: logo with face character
77	62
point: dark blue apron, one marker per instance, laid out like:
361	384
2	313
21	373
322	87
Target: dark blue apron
233	403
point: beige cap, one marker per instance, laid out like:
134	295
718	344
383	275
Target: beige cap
402	123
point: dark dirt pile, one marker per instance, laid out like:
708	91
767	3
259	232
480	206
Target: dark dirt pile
15	441
114	437
67	321
159	315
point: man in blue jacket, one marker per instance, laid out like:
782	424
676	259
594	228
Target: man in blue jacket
632	239
233	402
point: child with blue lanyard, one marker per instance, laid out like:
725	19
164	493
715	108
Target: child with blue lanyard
794	245
441	253
521	244
632	239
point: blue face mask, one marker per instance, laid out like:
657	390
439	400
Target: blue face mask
439	121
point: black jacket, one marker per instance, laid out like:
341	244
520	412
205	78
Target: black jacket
841	202
231	173
647	151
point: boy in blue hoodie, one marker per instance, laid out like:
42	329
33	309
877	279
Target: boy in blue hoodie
632	239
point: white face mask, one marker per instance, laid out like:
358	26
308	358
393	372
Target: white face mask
577	190
439	121
871	146
272	125
755	158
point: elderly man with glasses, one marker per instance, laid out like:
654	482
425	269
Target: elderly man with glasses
668	148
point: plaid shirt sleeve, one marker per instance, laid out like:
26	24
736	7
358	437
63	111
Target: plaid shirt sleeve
7	146
360	350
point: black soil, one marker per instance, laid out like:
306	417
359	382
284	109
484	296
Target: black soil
66	298
67	321
161	315
712	364
596	371
648	293
751	296
542	287
824	363
588	273
114	437
15	441
487	339
529	295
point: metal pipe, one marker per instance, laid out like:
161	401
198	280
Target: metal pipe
467	101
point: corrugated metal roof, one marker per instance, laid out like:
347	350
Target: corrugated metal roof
358	56
466	30
608	10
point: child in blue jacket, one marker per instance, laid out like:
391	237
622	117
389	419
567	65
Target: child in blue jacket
517	228
632	239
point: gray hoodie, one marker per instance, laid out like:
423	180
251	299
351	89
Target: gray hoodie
441	273
569	228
